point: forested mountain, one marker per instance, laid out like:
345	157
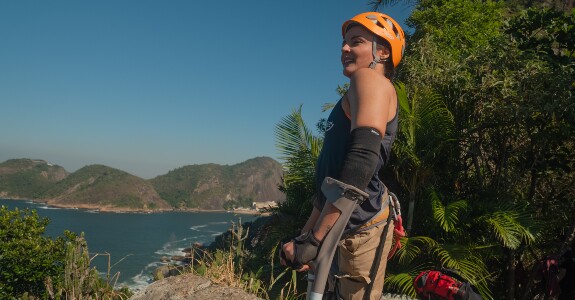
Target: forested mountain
212	186
28	178
207	186
104	188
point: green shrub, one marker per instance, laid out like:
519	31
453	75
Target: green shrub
34	266
27	257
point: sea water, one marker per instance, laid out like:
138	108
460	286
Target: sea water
136	242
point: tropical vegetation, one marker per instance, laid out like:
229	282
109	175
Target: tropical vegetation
483	161
34	266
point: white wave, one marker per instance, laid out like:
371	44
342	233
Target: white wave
218	223
48	207
139	282
171	242
153	265
170	252
197	227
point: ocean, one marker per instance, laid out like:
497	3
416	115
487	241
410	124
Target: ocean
136	242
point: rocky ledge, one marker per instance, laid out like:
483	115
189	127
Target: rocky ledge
190	287
193	287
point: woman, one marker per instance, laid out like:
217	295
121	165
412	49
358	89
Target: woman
361	129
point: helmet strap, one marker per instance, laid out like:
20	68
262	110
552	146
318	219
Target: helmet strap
376	58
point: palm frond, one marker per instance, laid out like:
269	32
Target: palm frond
299	148
293	136
446	216
413	247
467	263
511	226
402	96
401	283
327	106
426	125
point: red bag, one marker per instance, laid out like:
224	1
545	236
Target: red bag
437	285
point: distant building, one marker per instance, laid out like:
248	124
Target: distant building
264	205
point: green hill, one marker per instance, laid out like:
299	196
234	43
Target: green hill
28	178
105	188
212	186
207	186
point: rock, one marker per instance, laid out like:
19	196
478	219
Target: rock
388	296
190	287
167	271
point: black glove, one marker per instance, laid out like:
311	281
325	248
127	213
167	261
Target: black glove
306	248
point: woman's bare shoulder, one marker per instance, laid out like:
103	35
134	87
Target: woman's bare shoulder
368	79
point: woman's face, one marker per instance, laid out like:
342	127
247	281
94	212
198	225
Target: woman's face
356	51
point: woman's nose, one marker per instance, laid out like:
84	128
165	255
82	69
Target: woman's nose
345	47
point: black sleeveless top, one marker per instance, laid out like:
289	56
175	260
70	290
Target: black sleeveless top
330	162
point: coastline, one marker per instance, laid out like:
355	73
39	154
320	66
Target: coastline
111	209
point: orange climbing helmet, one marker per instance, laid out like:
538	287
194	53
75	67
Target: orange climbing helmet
383	26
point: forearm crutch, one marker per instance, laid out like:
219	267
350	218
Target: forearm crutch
343	197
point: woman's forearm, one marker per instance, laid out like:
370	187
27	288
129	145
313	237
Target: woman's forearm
325	221
311	220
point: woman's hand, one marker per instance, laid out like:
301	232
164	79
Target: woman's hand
289	253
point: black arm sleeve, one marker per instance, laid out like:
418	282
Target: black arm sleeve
361	158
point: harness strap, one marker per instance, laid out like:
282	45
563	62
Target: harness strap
398	230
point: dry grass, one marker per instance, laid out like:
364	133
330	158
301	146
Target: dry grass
225	267
83	282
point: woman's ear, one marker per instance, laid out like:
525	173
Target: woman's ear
384	53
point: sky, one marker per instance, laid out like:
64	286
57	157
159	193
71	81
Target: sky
150	86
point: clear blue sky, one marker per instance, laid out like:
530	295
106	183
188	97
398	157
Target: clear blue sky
149	86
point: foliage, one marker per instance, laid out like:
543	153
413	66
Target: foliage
35	266
299	149
27	257
226	265
487	120
459	27
503	184
80	281
426	129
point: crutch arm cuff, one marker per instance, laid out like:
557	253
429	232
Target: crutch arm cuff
335	190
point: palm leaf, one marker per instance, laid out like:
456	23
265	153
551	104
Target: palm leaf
413	247
425	126
467	263
446	216
401	283
298	147
511	226
293	136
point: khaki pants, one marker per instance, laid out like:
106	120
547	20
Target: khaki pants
355	255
